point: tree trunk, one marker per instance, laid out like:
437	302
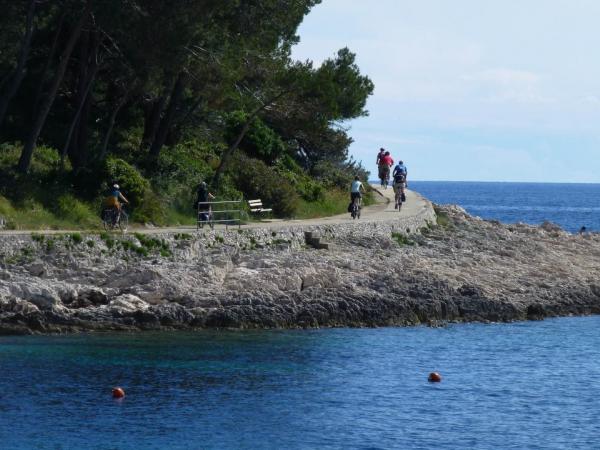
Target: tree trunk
233	147
42	77
151	122
111	124
167	120
77	144
29	147
75	155
19	72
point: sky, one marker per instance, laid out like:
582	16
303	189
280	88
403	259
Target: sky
473	90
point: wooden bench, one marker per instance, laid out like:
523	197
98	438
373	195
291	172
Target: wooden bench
256	207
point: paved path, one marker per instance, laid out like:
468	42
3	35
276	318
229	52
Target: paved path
381	211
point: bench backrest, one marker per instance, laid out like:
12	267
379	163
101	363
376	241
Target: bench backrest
255	203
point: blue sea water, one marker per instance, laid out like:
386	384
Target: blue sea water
569	205
531	385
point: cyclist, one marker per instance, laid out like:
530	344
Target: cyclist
113	201
399	175
202	198
355	190
380	164
385	163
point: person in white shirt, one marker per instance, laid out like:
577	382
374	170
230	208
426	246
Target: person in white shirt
355	190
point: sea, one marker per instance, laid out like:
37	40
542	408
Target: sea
570	205
525	385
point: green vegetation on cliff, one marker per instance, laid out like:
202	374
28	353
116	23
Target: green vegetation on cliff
158	96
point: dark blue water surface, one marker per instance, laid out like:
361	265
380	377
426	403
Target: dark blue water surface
532	385
569	205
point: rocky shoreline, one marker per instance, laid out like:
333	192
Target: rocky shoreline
433	270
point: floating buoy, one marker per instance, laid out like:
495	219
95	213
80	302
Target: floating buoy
434	377
118	392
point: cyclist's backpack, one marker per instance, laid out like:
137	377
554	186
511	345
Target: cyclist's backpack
400	177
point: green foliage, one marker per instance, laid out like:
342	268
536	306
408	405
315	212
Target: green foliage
402	239
133	185
76	238
39	238
442	218
333	202
257	180
188	75
260	141
69	208
152	243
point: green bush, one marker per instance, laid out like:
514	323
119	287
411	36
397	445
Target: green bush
260	141
133	185
67	207
257	180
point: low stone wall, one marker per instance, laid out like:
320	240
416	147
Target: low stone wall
295	235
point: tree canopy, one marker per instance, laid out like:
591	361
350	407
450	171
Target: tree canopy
153	83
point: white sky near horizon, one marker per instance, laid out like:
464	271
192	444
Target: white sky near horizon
474	90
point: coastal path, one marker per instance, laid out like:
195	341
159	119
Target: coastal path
383	210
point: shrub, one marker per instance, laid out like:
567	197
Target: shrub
260	141
69	208
257	180
134	186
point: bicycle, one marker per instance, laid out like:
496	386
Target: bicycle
205	217
385	177
399	197
112	219
355	209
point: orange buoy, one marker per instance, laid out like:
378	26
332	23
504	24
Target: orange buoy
434	377
118	392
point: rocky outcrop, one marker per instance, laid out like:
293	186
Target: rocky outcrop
371	274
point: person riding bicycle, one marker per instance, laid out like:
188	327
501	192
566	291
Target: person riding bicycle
380	156
202	198
400	172
399	175
112	201
355	190
385	163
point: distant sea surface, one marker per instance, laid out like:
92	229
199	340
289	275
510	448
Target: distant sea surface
569	205
529	385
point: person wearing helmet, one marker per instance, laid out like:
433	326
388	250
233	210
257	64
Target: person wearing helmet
399	176
356	190
113	199
203	196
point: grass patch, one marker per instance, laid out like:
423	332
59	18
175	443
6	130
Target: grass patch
442	218
402	239
108	240
332	203
76	238
151	243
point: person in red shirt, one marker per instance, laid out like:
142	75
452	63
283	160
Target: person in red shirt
385	163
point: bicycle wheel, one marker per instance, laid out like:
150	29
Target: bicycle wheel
107	219
123	222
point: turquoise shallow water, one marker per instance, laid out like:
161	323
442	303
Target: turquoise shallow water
523	385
